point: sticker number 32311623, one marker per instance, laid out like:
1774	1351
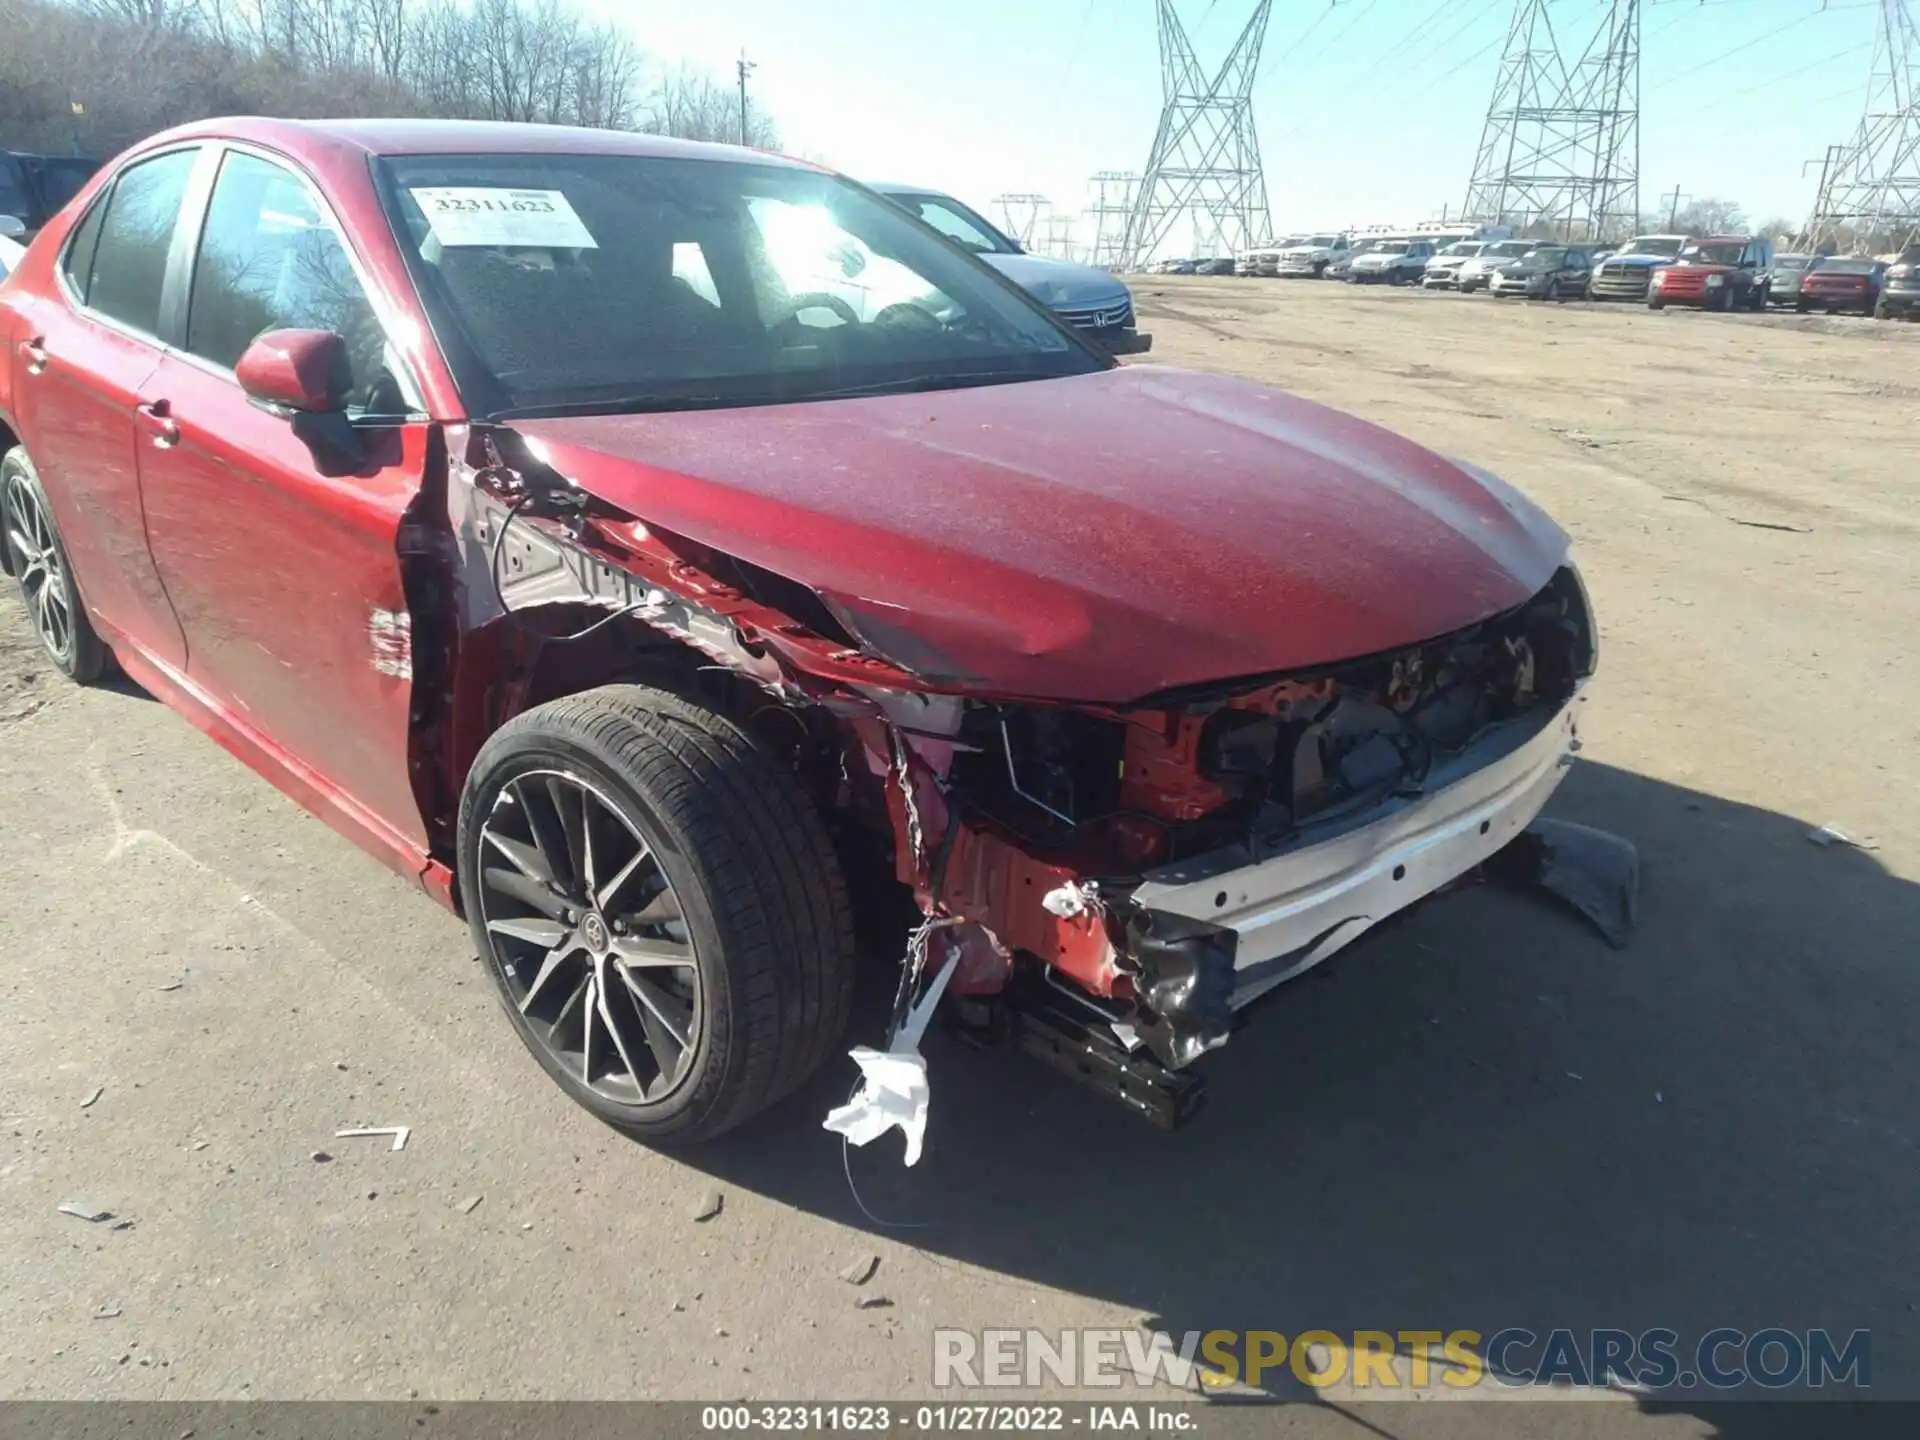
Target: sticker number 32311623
484	215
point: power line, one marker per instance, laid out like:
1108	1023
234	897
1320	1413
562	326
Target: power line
1079	44
1406	41
1771	80
1761	39
1439	49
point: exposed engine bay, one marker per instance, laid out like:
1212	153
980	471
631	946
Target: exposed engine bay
1143	870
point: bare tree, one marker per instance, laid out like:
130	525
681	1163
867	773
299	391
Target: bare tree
137	66
1711	217
691	105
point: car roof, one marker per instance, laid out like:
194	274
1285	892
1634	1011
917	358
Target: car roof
308	138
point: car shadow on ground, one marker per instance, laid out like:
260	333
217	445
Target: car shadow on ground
1478	1117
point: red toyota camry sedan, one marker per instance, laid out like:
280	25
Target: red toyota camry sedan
662	550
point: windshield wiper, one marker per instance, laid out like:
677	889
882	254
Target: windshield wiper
912	384
620	405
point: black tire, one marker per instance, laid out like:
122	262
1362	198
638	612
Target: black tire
44	574
1801	307
757	891
1656	303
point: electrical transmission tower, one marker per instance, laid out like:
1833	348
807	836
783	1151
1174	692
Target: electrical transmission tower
1206	155
1870	187
1112	193
1059	237
1560	151
1022	216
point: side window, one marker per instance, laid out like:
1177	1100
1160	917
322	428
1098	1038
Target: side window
130	255
270	260
954	226
806	253
78	265
690	268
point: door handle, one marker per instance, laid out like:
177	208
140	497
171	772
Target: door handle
34	352
157	419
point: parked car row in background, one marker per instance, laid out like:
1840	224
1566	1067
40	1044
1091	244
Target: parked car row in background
1714	272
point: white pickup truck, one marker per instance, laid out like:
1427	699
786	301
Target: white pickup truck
1312	255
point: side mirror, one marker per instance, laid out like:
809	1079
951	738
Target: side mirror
306	376
12	227
303	371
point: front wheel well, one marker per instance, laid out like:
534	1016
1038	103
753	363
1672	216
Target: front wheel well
513	663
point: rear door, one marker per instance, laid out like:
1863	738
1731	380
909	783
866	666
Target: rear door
287	581
78	374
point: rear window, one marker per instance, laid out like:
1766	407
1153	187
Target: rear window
1849	267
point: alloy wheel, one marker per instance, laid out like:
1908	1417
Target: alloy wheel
587	932
37	564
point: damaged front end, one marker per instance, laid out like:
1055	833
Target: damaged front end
1110	884
1180	858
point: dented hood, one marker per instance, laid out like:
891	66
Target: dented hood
1094	538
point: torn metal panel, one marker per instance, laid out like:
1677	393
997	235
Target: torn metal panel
1594	871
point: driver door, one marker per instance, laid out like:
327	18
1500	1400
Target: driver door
286	581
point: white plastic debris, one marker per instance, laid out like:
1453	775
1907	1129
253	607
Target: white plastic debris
893	1082
1072	899
1832	834
398	1132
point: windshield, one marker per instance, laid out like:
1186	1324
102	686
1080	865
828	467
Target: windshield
1390	247
564	283
1464	247
1547	259
1508	249
1323	242
1726	254
1849	267
1792	262
1652	245
957	223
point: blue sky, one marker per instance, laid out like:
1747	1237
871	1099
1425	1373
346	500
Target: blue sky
982	97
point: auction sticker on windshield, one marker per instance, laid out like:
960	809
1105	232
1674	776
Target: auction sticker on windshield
486	215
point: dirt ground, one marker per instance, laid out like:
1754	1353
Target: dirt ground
1479	1117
